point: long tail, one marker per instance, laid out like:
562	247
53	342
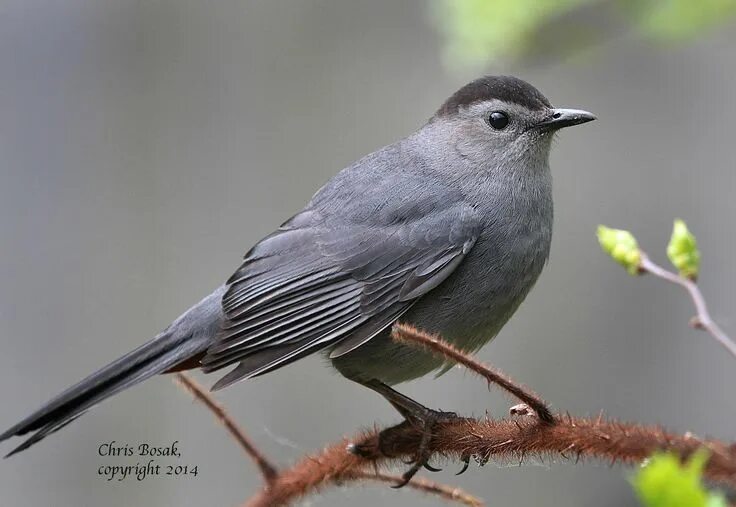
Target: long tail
184	339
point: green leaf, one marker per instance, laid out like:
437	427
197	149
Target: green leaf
666	482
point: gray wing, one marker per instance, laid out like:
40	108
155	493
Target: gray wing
309	286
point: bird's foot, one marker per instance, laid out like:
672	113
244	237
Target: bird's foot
419	417
425	421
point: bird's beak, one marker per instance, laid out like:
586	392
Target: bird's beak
561	118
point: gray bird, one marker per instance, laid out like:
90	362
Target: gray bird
446	229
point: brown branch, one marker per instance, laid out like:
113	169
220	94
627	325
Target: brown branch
414	337
491	439
702	319
268	471
422	485
531	431
336	466
496	439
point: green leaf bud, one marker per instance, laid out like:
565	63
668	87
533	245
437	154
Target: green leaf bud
683	251
621	246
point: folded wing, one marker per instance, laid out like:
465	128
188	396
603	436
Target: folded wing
309	286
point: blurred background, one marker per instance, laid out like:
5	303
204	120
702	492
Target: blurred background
145	146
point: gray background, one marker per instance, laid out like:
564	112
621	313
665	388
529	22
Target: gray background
144	146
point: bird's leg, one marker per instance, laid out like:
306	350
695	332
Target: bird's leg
417	415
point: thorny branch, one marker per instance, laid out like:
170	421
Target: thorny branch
498	439
528	432
702	319
271	474
435	345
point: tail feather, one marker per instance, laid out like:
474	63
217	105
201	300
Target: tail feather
152	358
187	337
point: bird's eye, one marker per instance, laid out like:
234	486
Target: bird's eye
498	120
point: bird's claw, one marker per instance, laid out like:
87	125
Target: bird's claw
425	422
466	462
431	468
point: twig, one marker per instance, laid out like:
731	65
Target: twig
498	439
268	470
423	485
702	319
439	347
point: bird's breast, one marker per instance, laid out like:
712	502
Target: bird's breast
472	305
487	288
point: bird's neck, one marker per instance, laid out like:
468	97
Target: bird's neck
515	181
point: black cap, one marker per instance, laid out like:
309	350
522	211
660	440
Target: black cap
503	88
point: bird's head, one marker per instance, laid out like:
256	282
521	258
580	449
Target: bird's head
502	119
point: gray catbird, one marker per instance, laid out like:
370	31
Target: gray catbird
446	229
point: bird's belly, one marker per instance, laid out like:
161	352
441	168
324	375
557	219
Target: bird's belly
467	310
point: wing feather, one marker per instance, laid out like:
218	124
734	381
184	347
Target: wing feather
312	285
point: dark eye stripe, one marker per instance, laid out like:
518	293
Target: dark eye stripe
498	120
